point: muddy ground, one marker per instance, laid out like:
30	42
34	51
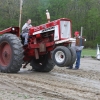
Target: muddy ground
59	84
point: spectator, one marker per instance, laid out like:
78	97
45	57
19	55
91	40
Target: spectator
78	52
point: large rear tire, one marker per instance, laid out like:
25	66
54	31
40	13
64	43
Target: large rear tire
61	56
43	64
11	53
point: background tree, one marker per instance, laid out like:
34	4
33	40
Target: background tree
84	13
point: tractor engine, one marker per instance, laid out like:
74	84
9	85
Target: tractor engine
46	37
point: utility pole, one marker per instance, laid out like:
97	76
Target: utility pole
21	4
81	31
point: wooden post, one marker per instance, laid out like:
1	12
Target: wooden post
21	3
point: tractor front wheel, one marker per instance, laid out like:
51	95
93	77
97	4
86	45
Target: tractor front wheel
61	56
73	56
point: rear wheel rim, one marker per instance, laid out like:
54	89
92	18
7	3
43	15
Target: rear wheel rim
5	54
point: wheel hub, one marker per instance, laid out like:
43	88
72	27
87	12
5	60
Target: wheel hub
5	54
59	56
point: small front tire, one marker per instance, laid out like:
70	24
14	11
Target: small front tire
73	56
61	56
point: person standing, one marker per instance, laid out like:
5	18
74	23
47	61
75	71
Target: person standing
25	30
78	49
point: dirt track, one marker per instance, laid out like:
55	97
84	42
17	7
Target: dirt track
59	84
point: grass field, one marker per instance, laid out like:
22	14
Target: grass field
89	52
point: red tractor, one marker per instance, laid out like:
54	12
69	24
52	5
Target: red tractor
48	44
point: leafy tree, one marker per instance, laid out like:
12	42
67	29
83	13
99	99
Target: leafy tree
85	13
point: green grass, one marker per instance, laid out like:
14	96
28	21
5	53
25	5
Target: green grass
89	52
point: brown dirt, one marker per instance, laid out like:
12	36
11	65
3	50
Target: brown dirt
59	84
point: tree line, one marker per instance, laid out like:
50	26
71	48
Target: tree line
85	13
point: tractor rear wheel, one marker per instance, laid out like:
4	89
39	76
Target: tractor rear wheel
11	53
43	64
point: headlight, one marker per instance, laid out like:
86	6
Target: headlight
13	29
